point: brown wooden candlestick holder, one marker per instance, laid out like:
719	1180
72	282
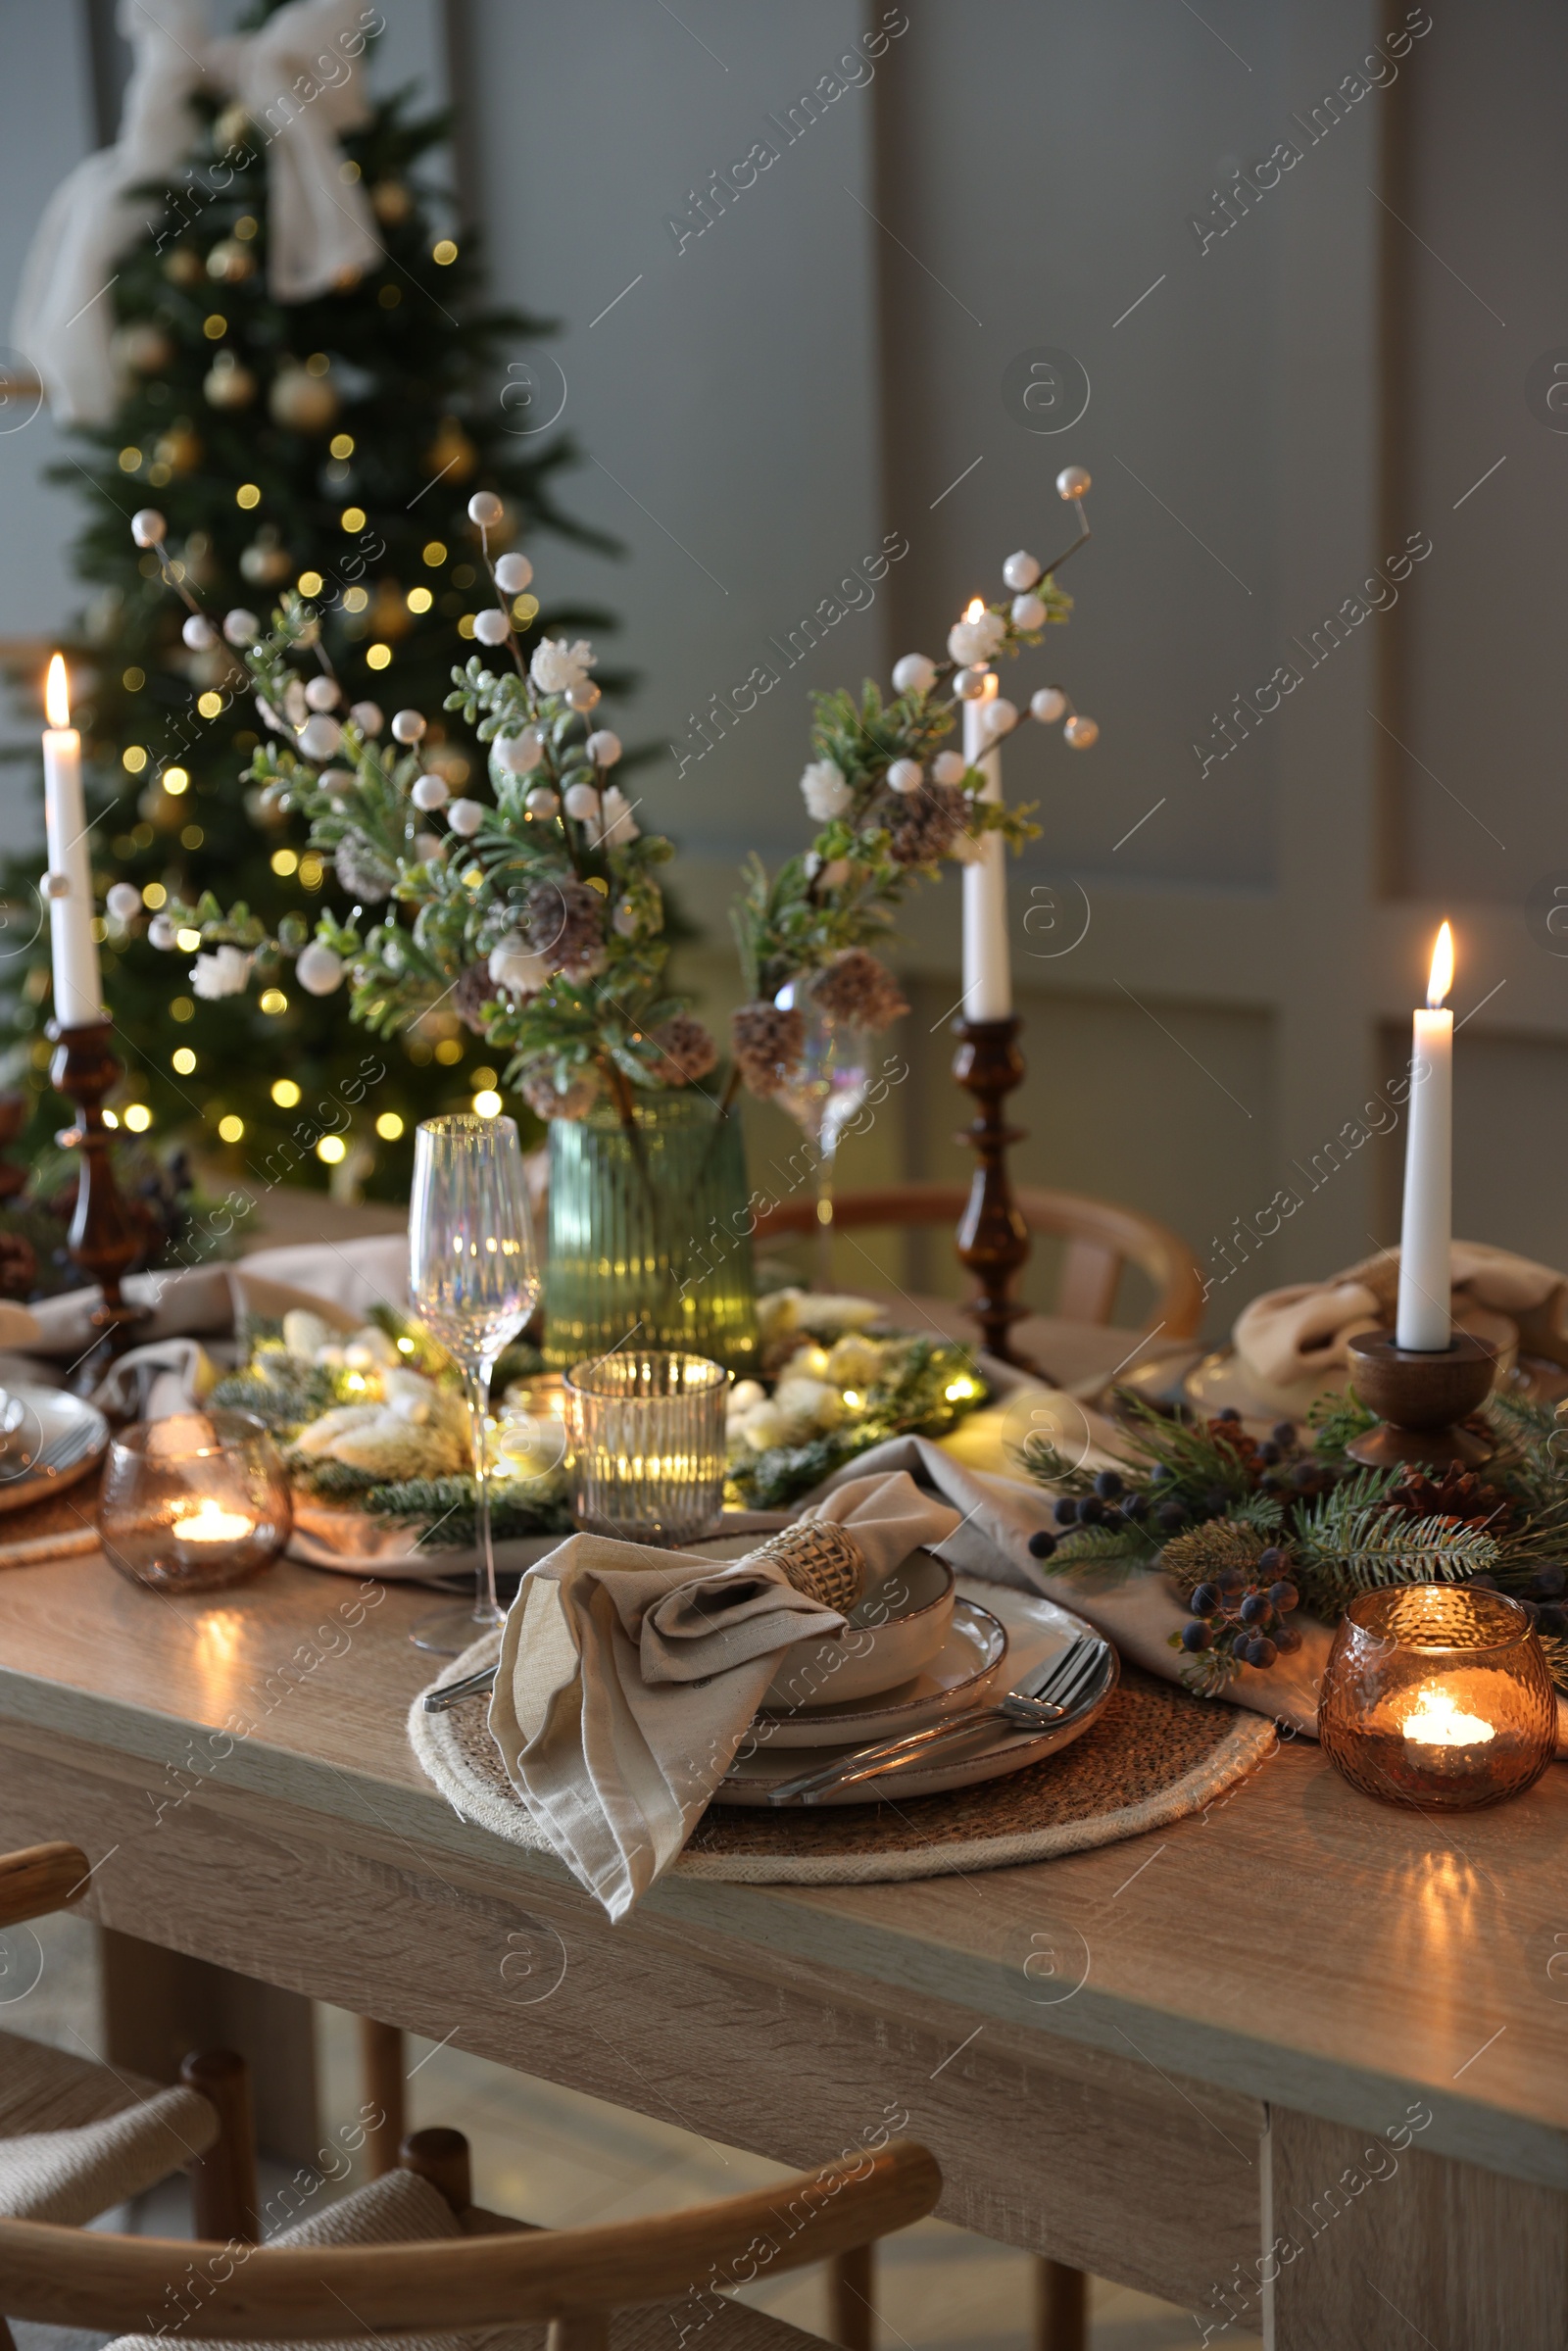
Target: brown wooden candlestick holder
1421	1398
993	1238
104	1240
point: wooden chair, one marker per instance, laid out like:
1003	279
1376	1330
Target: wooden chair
1102	1238
77	2137
411	2254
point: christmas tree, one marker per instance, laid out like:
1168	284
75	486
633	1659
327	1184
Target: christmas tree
329	445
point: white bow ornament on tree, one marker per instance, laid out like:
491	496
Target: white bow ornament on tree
299	78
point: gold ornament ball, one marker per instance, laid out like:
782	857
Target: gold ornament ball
303	402
231	263
142	347
183	268
452	453
179	448
229	385
391	202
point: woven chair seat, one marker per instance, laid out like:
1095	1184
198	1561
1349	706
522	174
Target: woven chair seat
402	2208
76	2138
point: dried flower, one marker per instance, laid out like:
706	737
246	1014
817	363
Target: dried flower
564	923
620	827
686	1051
226	972
768	1044
825	792
556	667
859	990
922	824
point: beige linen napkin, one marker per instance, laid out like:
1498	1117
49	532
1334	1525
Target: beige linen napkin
628	1678
1295	1335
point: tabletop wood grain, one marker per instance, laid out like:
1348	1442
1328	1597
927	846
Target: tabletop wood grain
1299	1944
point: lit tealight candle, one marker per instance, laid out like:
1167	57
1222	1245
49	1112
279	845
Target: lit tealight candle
1435	1721
210	1522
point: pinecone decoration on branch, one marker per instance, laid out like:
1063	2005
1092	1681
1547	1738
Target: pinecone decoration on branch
475	990
565	924
686	1051
768	1044
1458	1495
923	825
859	990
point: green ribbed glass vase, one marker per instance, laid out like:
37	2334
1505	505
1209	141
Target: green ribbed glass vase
649	1231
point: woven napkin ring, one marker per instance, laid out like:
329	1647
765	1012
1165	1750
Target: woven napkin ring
820	1559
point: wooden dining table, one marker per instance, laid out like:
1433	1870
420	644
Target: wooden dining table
1299	2063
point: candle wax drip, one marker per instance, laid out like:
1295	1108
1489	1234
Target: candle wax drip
1435	1721
210	1522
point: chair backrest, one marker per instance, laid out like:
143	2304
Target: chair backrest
40	1879
569	2276
1101	1238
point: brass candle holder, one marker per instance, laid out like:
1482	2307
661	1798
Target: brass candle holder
1421	1397
104	1240
993	1238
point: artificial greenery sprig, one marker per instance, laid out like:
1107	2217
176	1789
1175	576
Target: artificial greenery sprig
891	805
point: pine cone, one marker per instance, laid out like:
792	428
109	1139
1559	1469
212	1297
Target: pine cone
540	1092
1458	1495
686	1051
924	825
475	990
563	923
859	990
768	1044
362	869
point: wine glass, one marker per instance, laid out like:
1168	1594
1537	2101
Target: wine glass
823	1095
473	1278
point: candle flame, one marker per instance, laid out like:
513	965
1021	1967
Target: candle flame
210	1522
974	608
1437	1721
57	693
1441	979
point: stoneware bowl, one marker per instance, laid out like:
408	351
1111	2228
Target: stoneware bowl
894	1632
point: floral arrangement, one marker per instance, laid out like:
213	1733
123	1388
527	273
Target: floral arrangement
838	1390
1250	1532
538	918
377	1422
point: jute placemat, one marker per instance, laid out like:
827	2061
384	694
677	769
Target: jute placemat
1155	1755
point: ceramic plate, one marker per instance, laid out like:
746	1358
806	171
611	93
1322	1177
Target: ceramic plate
48	1440
1036	1630
959	1675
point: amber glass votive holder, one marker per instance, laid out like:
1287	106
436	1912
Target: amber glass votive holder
1437	1695
194	1502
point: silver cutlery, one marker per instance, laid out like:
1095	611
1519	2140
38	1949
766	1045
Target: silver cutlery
472	1686
1044	1699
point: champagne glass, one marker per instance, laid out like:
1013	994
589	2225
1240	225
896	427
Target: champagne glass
473	1278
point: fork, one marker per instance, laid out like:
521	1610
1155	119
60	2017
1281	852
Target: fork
1045	1697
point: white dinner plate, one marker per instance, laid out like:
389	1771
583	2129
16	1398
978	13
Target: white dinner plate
1036	1630
48	1440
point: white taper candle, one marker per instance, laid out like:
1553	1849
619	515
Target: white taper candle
79	986
1425	1319
986	968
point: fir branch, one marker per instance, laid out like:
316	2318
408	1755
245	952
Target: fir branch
1337	1420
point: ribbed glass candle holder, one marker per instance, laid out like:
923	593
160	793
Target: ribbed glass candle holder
1437	1695
650	1233
648	1443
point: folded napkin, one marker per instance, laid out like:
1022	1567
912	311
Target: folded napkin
628	1678
1301	1333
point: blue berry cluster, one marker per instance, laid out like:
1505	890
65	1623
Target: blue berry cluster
1112	1503
1246	1614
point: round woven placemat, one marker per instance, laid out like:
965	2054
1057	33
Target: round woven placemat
1155	1755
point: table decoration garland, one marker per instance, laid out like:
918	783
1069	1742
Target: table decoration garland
1251	1531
